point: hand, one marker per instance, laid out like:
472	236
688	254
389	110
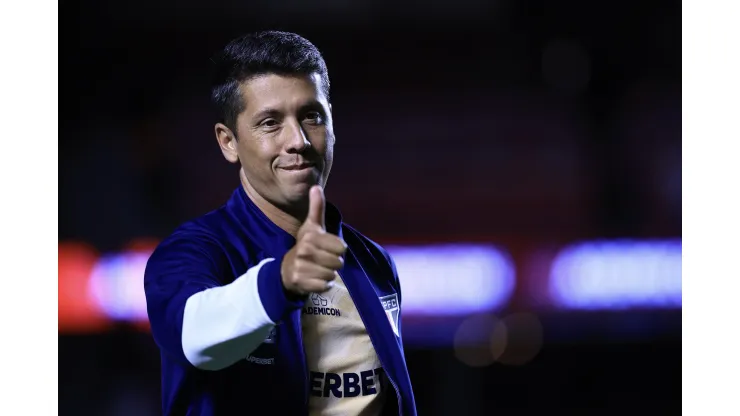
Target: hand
311	264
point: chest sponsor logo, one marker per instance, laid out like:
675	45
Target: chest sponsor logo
365	383
392	310
319	305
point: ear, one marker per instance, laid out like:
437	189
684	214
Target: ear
227	142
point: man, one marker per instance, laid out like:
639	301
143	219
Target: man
271	304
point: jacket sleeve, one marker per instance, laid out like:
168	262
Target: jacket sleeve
200	321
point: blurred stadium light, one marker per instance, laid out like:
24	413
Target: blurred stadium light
117	285
77	311
440	283
617	274
444	280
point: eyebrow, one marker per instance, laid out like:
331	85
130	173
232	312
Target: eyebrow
267	112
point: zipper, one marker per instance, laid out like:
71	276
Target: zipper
304	363
395	387
398	394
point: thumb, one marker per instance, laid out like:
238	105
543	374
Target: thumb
316	206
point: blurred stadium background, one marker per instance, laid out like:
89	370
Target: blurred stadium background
520	159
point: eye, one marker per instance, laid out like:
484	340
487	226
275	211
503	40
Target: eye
270	122
314	117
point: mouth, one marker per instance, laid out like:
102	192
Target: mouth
299	167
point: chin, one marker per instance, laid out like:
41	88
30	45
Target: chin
297	193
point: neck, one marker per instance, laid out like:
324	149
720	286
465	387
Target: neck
288	222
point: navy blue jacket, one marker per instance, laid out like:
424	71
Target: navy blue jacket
218	248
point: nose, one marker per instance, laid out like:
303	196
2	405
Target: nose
296	140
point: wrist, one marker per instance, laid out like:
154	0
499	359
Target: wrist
276	299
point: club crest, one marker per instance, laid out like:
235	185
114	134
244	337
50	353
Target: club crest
270	339
392	310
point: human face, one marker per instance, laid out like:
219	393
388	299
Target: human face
284	138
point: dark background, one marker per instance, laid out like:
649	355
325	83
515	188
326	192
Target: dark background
527	123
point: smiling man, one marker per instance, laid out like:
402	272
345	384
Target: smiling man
271	304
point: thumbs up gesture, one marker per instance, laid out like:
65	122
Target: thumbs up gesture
310	265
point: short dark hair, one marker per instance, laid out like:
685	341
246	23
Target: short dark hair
261	53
